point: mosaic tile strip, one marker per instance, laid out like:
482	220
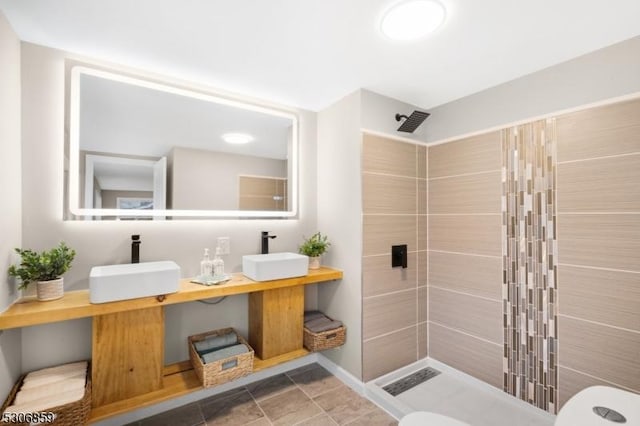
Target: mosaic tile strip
529	252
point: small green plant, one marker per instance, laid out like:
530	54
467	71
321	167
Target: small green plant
315	246
44	266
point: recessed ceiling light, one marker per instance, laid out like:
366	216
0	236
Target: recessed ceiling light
412	19
237	138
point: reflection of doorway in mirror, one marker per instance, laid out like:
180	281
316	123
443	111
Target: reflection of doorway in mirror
129	203
113	181
134	203
262	193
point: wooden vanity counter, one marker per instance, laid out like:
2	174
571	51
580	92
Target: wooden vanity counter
128	336
75	304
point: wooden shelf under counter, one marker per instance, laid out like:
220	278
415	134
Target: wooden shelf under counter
128	335
179	379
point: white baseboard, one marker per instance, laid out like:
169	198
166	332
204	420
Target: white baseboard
345	377
354	383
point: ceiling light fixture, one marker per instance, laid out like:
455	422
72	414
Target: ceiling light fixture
237	138
412	19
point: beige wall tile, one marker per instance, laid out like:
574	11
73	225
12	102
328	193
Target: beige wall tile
605	352
384	314
423	304
602	185
476	275
423	232
608	241
471	155
422	196
479	234
423	268
598	132
388	194
422	161
388	353
470	314
384	155
257	186
423	340
380	232
476	357
609	297
258	203
571	382
379	277
478	193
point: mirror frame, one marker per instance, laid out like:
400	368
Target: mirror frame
74	150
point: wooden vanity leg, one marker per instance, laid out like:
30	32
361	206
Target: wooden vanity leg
128	354
276	320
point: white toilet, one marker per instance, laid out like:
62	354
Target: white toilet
424	418
600	406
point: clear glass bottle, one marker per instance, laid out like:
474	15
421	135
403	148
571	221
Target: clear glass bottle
206	265
218	264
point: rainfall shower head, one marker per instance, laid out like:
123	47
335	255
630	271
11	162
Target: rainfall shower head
412	122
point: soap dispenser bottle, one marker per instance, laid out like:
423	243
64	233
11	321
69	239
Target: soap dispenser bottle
218	264
206	265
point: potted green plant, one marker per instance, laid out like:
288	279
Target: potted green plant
45	269
314	247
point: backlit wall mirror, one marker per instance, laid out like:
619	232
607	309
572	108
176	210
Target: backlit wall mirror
141	150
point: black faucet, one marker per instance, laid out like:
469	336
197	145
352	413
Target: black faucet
135	248
265	241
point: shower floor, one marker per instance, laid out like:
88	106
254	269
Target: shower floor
459	396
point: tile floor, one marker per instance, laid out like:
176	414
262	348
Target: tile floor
309	396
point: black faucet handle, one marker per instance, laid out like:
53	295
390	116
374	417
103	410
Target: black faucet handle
135	237
265	237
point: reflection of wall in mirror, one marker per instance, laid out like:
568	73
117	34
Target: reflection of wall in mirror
208	180
262	193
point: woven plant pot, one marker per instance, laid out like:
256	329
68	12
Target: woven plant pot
314	262
50	290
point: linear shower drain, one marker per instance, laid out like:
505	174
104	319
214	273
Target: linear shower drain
406	383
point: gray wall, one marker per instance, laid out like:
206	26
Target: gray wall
107	242
379	112
10	194
339	208
606	73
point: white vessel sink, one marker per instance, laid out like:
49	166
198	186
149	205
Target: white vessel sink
274	266
132	280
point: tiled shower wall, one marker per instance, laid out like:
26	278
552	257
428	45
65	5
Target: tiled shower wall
394	212
599	248
465	249
598	232
530	255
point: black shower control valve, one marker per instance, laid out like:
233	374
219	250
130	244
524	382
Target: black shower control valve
399	256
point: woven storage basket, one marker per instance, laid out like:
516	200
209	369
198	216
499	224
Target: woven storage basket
316	342
212	374
73	414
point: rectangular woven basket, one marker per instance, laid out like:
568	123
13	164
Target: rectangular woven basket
212	374
72	414
316	342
